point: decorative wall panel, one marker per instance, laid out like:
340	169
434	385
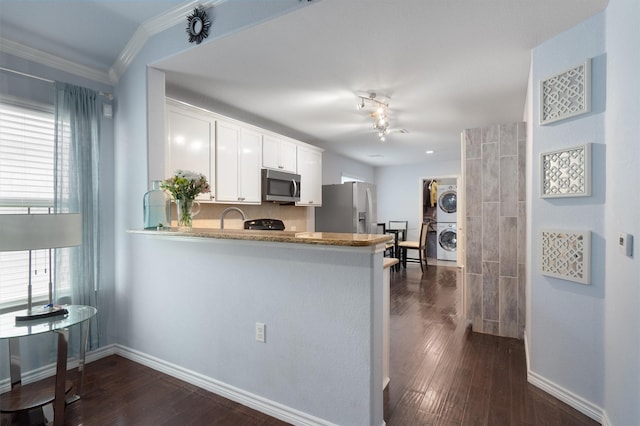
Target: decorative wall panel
566	173
566	254
567	94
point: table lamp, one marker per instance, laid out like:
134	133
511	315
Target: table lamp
19	232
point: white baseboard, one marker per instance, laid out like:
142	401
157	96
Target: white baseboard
29	377
100	353
569	398
240	396
50	369
271	408
585	407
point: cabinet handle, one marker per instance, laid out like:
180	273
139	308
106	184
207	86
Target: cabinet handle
281	167
240	198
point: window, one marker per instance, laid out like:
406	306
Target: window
26	186
347	178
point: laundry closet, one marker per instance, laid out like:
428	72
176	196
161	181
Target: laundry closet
440	211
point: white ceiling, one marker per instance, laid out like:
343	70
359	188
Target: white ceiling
445	65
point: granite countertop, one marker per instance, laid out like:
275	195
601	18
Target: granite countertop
320	238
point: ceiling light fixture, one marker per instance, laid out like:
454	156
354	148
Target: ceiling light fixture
379	114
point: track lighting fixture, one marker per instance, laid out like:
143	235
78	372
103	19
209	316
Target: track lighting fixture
379	114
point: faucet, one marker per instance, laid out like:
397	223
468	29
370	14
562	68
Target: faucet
224	213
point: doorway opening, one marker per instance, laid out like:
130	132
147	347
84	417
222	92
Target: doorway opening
439	205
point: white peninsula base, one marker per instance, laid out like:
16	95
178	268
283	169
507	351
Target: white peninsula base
194	303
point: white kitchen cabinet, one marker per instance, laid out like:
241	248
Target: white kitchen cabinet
310	170
238	161
278	154
189	143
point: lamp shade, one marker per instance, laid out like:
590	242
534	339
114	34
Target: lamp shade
39	231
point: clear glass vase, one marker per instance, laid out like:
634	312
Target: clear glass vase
156	207
186	209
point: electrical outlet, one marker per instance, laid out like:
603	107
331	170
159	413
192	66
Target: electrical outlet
625	242
260	332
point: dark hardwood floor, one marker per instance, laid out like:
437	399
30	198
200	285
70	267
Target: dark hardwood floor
444	374
441	374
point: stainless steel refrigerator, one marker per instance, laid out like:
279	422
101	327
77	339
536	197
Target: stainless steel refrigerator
349	207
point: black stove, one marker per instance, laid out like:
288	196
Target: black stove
264	224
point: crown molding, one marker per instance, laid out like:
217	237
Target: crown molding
145	31
38	56
150	28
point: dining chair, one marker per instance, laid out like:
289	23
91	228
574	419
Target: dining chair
420	245
401	225
389	248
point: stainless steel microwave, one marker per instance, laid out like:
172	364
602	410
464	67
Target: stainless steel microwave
280	187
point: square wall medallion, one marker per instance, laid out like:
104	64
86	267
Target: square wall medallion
567	94
566	173
566	254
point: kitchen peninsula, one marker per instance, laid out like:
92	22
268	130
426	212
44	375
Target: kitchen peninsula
321	238
319	296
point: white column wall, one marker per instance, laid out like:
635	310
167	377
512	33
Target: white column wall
622	276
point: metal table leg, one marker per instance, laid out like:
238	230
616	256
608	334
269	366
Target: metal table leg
14	362
61	377
81	362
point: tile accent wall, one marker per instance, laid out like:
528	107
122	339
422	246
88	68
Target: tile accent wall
494	190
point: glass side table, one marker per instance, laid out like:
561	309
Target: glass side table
19	398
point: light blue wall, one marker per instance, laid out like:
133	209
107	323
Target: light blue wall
566	340
584	339
323	352
35	354
578	340
622	274
145	270
400	190
335	165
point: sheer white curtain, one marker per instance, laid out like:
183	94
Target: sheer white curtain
76	162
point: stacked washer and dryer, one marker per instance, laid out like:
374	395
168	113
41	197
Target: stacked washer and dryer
447	217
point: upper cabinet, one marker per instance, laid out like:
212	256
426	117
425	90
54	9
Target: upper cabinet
231	154
278	154
190	134
238	160
310	171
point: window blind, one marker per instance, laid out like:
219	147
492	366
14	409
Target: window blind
26	186
26	156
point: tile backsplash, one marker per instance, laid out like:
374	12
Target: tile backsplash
294	218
